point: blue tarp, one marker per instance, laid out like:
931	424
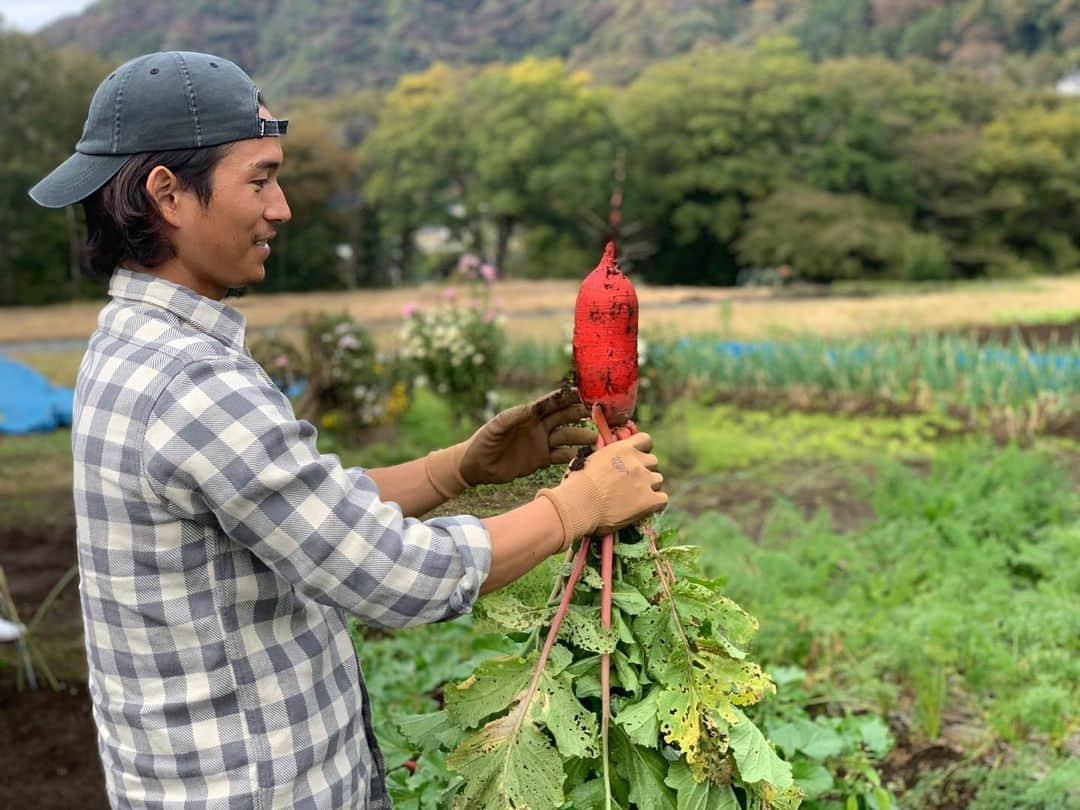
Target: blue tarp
29	402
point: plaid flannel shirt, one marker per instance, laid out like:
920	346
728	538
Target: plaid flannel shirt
220	554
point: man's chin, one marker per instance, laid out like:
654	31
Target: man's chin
256	276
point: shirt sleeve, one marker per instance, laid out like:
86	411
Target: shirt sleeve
222	441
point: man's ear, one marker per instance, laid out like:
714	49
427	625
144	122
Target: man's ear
164	189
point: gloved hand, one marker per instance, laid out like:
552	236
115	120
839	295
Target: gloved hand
516	442
618	486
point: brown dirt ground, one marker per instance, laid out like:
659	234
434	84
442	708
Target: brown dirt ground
1034	335
48	759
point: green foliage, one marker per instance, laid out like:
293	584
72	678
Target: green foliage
415	160
1015	391
529	737
1000	786
723	157
710	133
542	143
723	437
335	45
429	423
486	153
957	596
46	93
970	575
1032	165
834	757
830	236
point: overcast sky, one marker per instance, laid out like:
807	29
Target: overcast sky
30	15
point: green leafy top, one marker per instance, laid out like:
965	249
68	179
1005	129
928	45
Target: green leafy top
679	738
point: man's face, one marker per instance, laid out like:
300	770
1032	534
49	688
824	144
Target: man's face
224	245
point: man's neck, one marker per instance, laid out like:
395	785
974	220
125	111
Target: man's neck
172	270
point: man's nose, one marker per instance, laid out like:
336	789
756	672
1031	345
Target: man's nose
279	210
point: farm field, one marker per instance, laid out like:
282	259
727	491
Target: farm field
914	568
540	310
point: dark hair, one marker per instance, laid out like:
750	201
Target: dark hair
123	221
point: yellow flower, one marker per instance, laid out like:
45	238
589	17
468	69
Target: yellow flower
398	401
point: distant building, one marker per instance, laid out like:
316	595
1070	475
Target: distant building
1070	84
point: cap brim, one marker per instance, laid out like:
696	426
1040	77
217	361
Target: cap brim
76	179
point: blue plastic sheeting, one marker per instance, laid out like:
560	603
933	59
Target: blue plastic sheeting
29	402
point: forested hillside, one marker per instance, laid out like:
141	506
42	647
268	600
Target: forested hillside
325	46
811	148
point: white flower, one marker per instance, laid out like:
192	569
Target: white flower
477	359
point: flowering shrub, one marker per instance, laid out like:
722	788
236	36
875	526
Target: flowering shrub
281	359
455	348
348	384
352	385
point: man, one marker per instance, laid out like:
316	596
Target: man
219	551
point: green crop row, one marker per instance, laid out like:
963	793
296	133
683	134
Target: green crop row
1017	391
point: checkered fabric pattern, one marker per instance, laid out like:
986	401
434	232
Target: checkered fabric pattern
220	554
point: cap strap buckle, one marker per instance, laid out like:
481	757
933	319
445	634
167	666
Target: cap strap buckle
273	127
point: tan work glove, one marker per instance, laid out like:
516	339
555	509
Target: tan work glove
618	486
516	442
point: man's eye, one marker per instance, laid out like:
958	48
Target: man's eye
261	183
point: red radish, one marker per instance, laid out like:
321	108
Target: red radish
605	340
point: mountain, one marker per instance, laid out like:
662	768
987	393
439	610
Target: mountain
323	47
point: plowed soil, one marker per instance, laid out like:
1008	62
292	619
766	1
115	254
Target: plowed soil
48	748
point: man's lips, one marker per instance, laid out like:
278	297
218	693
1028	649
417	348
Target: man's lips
264	241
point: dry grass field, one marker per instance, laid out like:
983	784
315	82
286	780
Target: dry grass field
541	310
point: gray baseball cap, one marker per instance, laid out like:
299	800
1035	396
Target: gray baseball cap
157	102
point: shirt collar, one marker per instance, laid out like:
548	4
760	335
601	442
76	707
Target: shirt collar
213	317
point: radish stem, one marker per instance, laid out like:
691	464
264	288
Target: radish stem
607	556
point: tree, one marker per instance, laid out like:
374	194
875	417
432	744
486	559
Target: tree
825	237
415	160
46	95
543	146
1030	159
711	133
320	179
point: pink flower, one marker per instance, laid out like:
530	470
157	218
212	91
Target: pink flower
489	273
468	264
449	294
489	316
281	361
408	310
